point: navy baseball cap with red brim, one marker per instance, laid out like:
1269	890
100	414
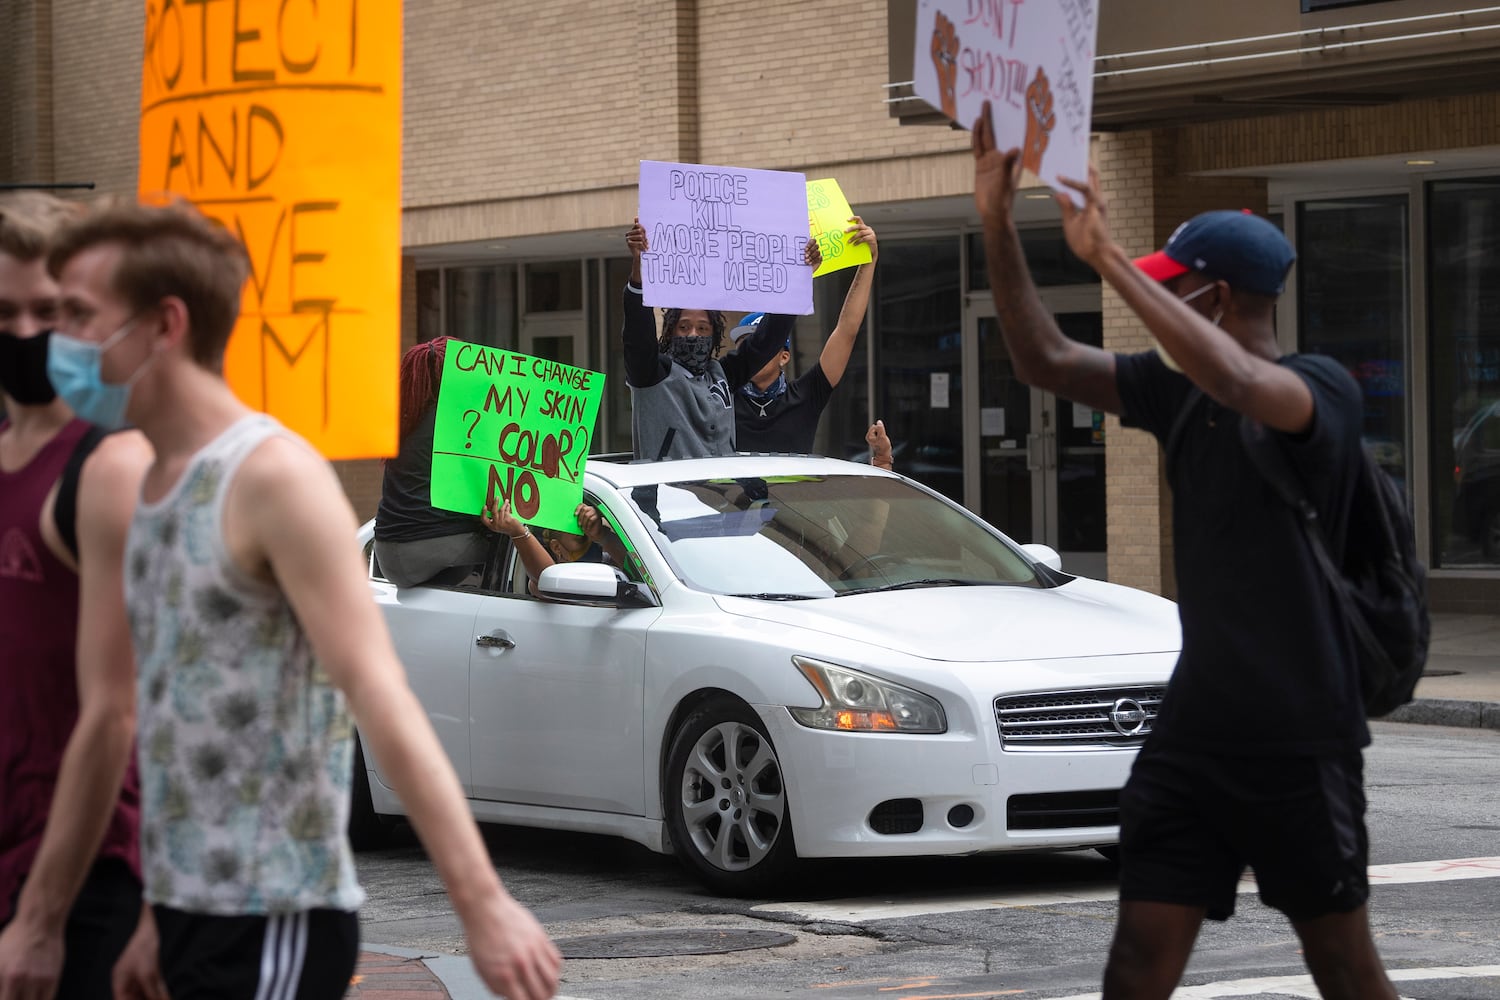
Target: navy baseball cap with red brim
1242	249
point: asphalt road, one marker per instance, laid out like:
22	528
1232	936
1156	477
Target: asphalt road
1032	927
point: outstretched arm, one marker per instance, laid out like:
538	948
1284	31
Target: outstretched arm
840	343
644	365
287	520
98	749
1043	356
1218	364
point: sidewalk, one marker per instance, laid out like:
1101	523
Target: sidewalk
1462	686
379	976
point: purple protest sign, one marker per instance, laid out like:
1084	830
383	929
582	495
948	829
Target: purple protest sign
727	238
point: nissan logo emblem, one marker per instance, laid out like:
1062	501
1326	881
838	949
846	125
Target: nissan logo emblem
1128	717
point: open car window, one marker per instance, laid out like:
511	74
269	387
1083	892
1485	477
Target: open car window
517	580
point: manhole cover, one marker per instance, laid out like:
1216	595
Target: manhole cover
1441	673
655	944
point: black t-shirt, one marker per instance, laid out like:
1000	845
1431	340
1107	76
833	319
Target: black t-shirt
406	513
1264	668
790	421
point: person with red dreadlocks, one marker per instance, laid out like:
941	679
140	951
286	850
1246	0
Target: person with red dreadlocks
415	541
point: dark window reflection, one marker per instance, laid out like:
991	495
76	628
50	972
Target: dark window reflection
918	358
1464	334
1352	306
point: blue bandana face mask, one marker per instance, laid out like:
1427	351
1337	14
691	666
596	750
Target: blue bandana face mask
73	368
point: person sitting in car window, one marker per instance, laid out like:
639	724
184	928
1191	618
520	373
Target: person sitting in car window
415	541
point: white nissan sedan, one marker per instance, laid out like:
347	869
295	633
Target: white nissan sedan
802	658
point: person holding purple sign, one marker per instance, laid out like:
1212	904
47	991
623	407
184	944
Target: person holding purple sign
681	390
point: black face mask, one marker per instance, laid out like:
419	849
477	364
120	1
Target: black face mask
692	353
23	369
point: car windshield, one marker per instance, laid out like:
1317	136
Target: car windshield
800	537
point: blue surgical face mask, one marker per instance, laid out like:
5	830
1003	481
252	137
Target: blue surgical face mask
73	368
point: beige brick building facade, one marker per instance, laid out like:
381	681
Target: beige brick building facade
524	125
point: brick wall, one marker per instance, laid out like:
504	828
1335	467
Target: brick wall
96	62
26	83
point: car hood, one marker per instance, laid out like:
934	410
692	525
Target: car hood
973	624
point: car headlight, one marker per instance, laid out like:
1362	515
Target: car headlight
855	702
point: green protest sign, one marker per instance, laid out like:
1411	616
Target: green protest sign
511	427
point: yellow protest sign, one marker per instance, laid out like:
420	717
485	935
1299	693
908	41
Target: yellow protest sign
828	214
282	119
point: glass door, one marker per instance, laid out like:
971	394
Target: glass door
1039	475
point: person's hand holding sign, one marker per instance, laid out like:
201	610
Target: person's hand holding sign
861	233
501	521
1086	229
1039	121
997	175
945	61
637	243
812	254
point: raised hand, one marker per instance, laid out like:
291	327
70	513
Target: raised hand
861	233
997	175
636	242
1086	229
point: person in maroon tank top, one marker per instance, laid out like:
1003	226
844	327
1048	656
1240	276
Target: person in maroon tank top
70	896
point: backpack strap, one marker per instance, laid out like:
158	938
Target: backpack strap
65	508
1266	455
1179	424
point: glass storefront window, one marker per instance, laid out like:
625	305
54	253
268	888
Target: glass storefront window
1352	306
429	304
1464	339
555	286
481	304
616	390
918	359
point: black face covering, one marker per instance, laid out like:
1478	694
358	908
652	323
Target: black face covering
692	353
23	369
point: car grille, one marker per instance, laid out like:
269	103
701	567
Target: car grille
1062	810
1079	720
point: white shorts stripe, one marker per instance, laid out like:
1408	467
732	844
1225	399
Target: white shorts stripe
297	939
267	958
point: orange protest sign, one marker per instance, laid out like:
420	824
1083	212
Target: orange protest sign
282	119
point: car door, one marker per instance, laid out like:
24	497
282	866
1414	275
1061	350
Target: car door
557	701
432	627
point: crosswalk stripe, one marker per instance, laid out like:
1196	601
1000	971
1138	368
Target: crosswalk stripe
860	910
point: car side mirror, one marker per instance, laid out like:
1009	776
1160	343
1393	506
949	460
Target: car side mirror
1044	554
593	582
578	581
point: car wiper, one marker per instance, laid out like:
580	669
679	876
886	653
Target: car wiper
915	585
777	597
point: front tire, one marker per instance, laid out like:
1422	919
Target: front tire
368	829
726	801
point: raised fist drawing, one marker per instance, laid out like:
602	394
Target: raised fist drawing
1039	122
945	60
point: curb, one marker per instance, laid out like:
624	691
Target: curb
1446	712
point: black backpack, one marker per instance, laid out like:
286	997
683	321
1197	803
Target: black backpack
1381	586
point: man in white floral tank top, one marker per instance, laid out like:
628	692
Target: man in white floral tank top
252	624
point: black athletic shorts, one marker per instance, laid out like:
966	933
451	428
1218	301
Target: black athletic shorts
1191	823
284	956
100	924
